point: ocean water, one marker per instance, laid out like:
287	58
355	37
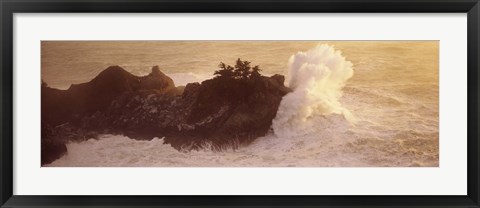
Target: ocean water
355	103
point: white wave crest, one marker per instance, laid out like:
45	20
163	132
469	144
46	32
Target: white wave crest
317	78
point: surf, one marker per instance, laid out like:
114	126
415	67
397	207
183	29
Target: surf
317	78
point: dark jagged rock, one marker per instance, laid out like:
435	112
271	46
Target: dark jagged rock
217	111
157	80
220	111
52	148
227	111
61	106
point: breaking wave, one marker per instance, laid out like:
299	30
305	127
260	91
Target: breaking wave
317	78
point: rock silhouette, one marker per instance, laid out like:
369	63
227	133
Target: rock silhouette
60	106
221	112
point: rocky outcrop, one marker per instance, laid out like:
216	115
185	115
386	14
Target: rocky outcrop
61	106
220	111
230	111
52	147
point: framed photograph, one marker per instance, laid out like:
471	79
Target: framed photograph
267	103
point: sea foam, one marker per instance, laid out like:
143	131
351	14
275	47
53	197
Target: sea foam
317	78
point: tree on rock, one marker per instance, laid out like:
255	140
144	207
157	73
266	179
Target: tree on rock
225	71
255	72
241	70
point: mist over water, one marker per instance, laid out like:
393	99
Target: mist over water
356	103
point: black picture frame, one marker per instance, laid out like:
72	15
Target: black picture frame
9	7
